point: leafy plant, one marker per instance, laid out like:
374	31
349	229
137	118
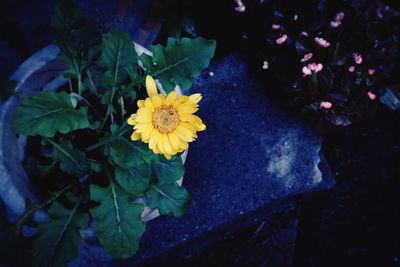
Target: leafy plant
79	145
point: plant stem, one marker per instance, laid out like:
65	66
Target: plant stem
122	105
92	83
108	140
44	204
70	86
82	98
80	84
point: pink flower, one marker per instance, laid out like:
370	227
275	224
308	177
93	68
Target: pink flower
371	95
307	57
319	67
335	24
352	69
339	16
305	34
315	67
357	58
338	20
322	42
240	7
312	67
325	104
281	39
306	71
276	26
371	71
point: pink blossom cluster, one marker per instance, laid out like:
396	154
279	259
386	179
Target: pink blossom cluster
322	42
325	105
312	68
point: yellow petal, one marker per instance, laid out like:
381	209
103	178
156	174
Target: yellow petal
175	141
156	150
195	98
159	145
143	119
151	86
157	100
200	126
187	118
140	103
167	156
148	104
154	136
144	111
191	128
131	120
167	145
135	136
186	109
170	98
183	133
185	146
146	135
180	100
143	127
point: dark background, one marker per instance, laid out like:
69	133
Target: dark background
354	224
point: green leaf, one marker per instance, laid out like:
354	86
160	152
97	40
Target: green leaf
118	224
127	153
71	159
135	179
119	56
67	16
74	37
48	113
179	62
96	166
390	99
168	171
169	199
59	239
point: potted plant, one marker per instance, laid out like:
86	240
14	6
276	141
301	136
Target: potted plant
104	142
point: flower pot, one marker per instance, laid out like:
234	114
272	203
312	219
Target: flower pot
40	72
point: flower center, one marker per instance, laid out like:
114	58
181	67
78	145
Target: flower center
165	119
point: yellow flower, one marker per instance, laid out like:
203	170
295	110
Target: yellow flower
166	123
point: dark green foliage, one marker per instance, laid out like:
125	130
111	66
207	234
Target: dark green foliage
179	61
59	239
76	136
169	199
48	113
118	224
